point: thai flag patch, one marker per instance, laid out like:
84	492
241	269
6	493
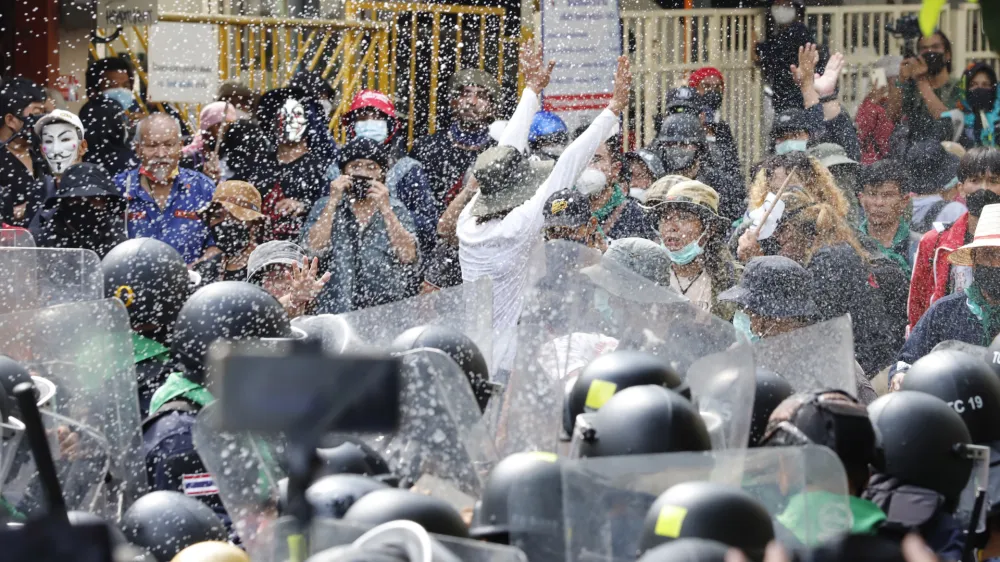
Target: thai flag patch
199	485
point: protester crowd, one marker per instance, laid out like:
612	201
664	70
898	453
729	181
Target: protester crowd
255	216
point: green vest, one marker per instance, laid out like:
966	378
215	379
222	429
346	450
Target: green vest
816	516
176	386
144	348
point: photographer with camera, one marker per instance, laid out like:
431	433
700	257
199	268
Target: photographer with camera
362	234
927	92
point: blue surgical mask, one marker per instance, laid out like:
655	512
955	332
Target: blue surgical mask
793	145
123	96
374	129
742	323
687	254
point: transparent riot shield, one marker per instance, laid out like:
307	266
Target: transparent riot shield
82	460
817	357
16	238
40	277
246	470
442	445
979	483
84	350
606	502
325	533
572	317
467	308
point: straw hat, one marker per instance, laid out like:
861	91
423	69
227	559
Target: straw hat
987	236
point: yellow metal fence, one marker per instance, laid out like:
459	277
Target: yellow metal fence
666	45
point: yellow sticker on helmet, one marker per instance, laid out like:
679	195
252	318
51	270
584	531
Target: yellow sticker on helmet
670	521
599	393
544	456
125	294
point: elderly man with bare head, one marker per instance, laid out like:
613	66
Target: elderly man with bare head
163	198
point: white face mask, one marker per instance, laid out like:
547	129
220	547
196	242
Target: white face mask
374	129
638	194
327	107
60	144
292	120
783	15
591	182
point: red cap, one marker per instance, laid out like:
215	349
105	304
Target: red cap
702	73
372	99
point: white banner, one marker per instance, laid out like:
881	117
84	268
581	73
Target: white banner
115	13
584	38
183	62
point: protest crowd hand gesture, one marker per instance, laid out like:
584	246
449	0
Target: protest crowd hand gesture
305	283
826	84
536	73
804	73
623	85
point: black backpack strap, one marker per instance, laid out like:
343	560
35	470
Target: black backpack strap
169	408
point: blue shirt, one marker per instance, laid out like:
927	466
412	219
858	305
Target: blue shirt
178	224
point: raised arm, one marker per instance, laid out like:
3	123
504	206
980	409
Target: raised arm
536	75
578	154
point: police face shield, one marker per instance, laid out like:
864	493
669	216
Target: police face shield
975	502
11	434
81	359
40	277
817	357
606	502
82	459
466	308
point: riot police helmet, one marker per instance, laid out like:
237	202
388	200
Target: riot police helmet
166	522
687	550
771	390
391	504
460	347
522	473
152	281
641	420
964	382
331	496
712	511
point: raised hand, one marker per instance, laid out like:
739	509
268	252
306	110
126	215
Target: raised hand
536	73
826	84
623	86
305	282
804	72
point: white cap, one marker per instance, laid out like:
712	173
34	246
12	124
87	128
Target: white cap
59	116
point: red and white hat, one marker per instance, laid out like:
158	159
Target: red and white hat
371	99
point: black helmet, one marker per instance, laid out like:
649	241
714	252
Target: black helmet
681	128
165	523
13	373
684	99
456	345
708	510
433	514
642	420
333	495
772	388
687	550
966	383
992	355
922	440
224	310
150	277
614	372
534	471
353	457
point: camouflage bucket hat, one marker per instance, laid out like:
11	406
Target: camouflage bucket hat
506	179
473	77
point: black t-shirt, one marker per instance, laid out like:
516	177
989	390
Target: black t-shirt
18	186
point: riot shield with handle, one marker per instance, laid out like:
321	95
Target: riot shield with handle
467	308
817	357
326	533
82	459
84	349
41	277
574	315
606	502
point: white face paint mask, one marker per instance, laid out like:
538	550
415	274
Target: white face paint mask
60	144
292	121
783	15
639	194
591	182
374	129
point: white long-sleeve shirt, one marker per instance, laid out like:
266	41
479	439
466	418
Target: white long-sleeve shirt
504	249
